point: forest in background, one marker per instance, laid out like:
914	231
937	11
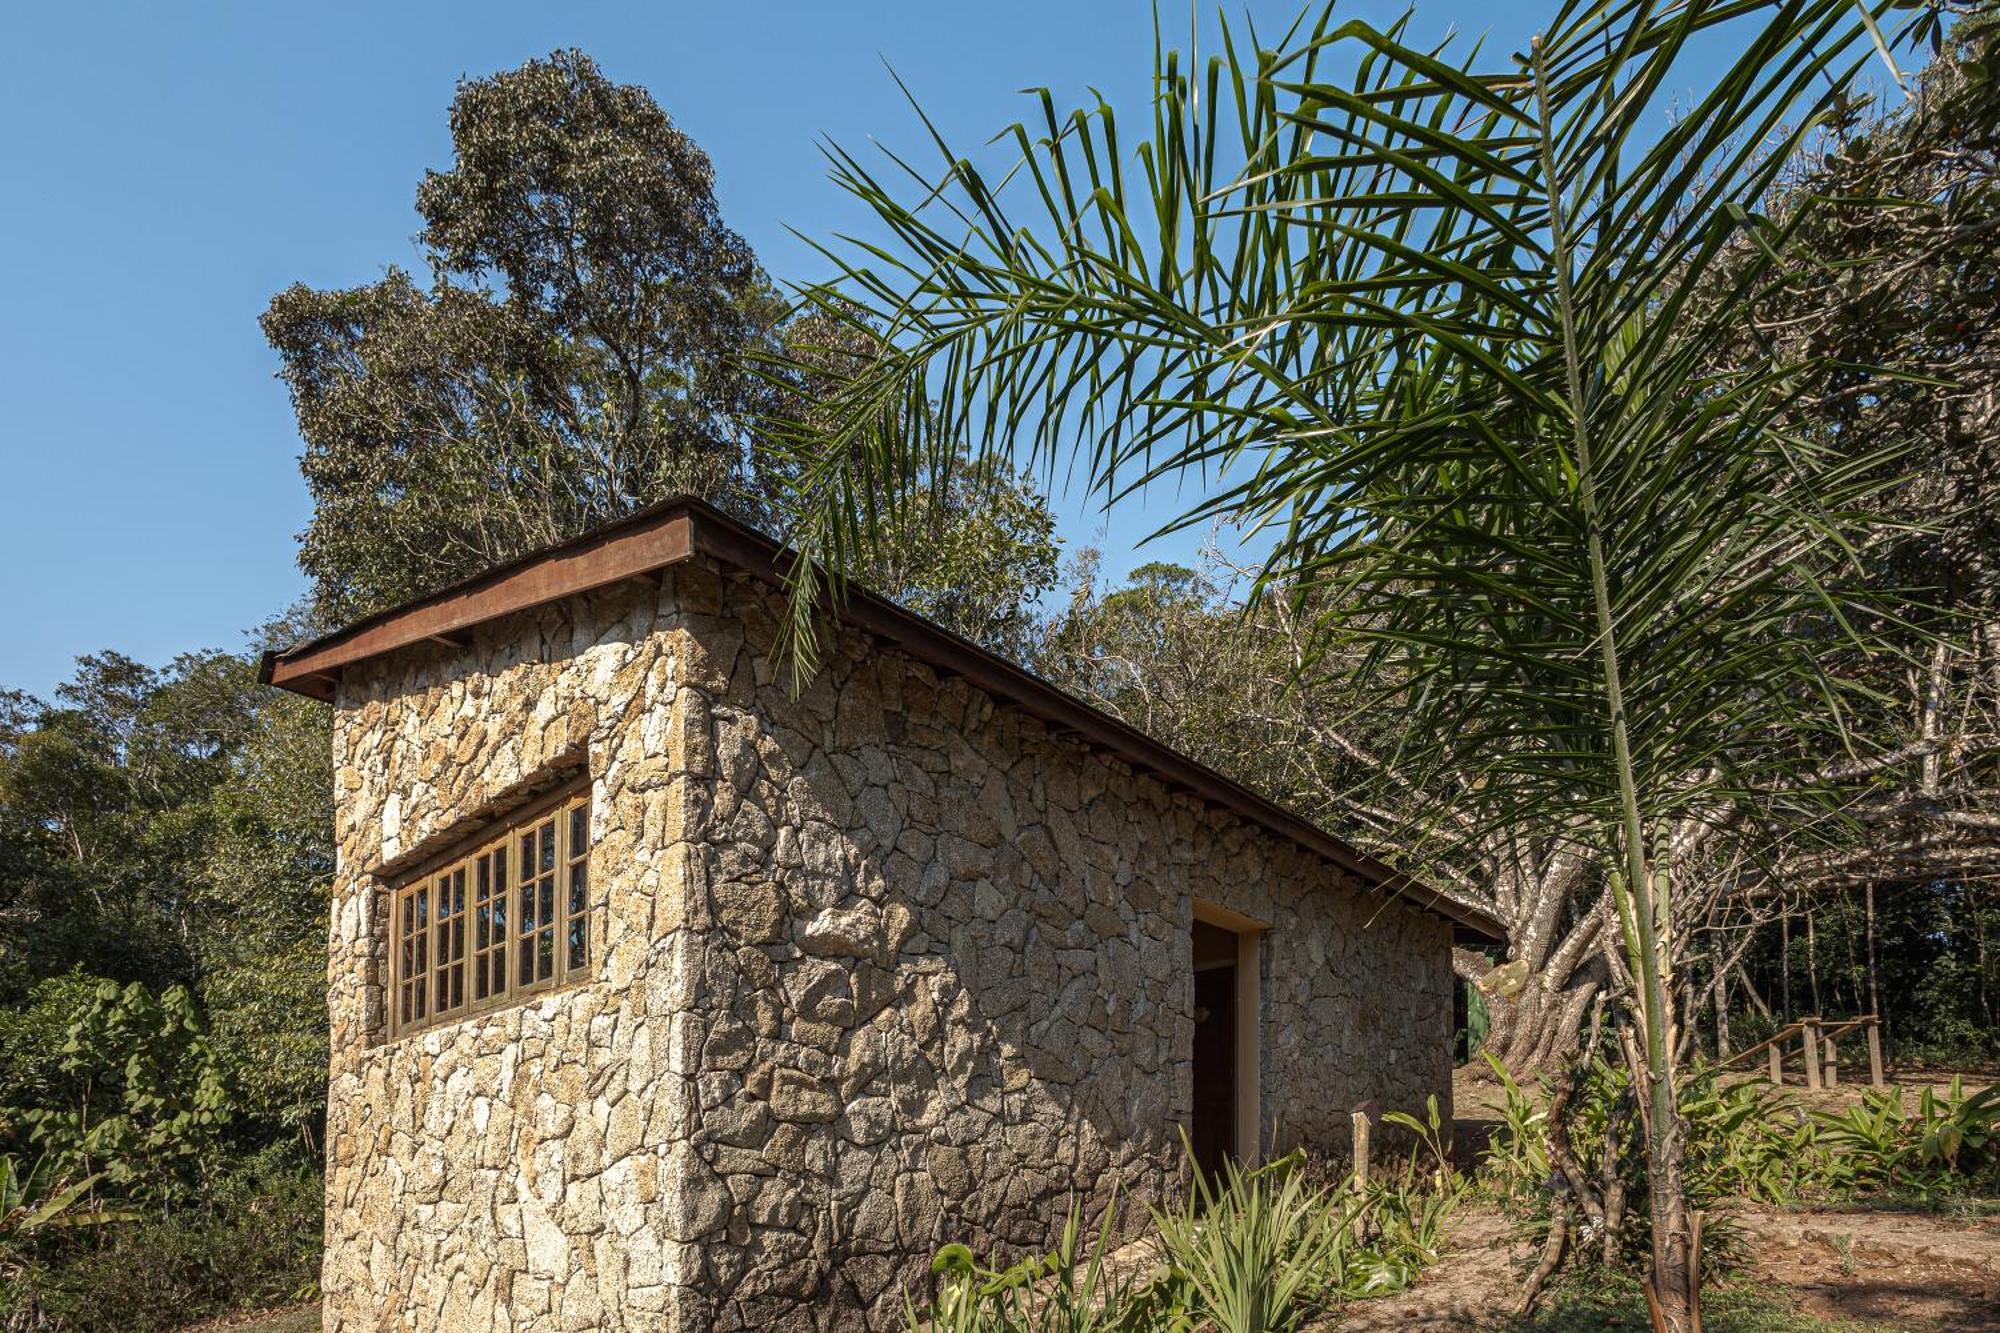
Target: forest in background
592	337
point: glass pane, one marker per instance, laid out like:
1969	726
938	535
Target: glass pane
578	836
527	969
545	954
500	918
576	889
409	914
406	1002
577	946
457	938
458	889
418	1003
498	967
482	923
500	869
526	921
457	984
548	847
483	889
547	915
423	897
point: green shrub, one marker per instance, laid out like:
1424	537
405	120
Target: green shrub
34	1201
1746	1140
256	1243
1057	1292
150	1100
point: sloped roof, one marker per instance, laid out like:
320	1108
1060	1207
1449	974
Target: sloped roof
678	529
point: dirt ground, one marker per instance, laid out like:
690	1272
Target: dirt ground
1902	1270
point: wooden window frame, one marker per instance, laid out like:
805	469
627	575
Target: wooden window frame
432	955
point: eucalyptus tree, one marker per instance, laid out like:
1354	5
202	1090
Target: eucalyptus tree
1424	320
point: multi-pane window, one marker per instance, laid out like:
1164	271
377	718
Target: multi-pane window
505	916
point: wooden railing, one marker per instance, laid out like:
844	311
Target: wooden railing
1817	1038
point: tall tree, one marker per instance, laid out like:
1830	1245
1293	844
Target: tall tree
1908	288
172	826
579	351
1436	319
593	338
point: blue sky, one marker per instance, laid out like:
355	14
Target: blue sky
169	167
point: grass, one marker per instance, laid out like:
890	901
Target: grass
1595	1301
294	1319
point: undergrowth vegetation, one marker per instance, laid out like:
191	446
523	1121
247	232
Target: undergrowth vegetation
1243	1252
132	1197
253	1243
1747	1140
1274	1247
1563	1159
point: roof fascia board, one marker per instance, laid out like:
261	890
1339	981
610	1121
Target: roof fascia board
673	531
611	556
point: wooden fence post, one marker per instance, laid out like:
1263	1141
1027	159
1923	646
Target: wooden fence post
1777	1064
1832	1067
1361	1132
1875	1053
1812	1055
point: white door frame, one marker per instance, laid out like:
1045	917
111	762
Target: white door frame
1249	1109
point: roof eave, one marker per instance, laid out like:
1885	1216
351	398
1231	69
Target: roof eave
674	530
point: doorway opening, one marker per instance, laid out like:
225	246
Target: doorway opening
1223	1114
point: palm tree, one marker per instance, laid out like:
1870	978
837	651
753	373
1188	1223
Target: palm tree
1447	334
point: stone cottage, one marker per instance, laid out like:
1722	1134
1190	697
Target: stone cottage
664	998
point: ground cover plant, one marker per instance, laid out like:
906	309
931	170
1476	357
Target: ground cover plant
1562	1161
1249	1251
164	830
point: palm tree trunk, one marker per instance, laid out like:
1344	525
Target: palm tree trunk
1645	906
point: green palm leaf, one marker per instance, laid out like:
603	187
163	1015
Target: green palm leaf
1448	335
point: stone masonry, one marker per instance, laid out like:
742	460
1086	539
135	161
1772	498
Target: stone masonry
879	967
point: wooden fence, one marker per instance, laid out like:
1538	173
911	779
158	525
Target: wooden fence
1817	1040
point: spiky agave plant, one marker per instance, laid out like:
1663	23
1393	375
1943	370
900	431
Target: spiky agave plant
1457	337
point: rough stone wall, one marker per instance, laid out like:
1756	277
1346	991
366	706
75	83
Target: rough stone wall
522	1169
880	967
945	976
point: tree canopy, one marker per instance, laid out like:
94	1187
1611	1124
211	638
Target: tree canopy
579	350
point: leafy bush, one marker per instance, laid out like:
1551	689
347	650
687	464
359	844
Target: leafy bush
32	1036
35	1200
1259	1249
1747	1140
1047	1293
149	1099
256	1244
1948	1142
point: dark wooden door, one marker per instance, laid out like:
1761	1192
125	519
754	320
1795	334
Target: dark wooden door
1213	1133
